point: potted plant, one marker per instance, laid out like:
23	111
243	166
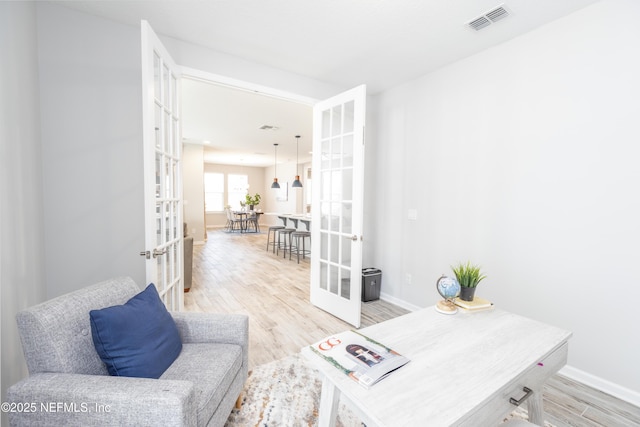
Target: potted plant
252	200
468	276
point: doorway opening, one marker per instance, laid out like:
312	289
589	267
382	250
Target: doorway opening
231	130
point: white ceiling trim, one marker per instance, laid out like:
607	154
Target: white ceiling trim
207	77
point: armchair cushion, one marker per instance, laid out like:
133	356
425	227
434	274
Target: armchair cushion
138	338
212	368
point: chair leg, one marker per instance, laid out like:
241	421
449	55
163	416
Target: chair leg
276	249
284	250
291	244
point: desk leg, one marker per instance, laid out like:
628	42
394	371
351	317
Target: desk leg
328	410
535	408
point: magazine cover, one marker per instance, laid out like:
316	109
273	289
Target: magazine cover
361	358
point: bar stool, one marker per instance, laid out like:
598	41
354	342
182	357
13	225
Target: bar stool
283	234
297	235
273	229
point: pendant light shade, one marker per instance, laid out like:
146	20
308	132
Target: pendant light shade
297	183
275	164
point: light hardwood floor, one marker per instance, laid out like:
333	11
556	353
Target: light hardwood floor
234	273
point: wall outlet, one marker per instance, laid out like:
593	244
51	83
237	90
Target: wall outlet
408	279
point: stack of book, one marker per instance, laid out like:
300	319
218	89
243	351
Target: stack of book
478	304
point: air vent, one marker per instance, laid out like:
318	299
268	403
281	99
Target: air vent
480	23
494	15
268	127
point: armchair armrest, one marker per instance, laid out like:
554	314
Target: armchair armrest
214	328
55	399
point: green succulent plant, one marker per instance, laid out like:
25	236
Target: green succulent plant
468	275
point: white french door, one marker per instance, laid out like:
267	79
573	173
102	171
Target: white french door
338	172
162	170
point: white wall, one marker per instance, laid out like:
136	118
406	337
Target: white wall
193	191
210	61
21	216
523	159
91	124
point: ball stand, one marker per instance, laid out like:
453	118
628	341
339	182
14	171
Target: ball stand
446	306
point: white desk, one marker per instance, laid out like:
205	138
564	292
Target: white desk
463	370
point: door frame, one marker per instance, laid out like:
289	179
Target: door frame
208	77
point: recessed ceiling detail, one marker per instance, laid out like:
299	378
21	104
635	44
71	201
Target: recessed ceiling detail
494	15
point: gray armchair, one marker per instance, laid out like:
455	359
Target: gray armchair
68	383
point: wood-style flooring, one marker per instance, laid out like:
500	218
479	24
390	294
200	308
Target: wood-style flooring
234	273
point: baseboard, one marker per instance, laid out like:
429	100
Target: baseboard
601	384
399	302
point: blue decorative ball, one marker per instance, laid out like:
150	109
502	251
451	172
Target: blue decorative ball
448	287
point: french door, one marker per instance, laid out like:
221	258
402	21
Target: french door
338	171
162	171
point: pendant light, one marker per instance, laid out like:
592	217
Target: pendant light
297	183
275	164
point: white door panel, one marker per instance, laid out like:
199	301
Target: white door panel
162	170
338	169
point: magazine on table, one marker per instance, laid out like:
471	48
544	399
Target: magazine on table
361	358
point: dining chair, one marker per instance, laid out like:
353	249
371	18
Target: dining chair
252	219
233	222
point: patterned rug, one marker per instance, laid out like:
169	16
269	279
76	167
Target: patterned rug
286	393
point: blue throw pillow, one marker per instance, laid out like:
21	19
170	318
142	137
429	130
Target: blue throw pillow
137	339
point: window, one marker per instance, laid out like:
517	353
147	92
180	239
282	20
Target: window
237	189
213	192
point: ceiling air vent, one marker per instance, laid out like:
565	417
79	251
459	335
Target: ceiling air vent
494	15
268	127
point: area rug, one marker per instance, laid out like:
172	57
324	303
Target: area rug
286	393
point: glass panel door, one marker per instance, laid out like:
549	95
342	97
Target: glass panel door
162	154
338	164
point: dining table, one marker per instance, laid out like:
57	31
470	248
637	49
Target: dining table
244	215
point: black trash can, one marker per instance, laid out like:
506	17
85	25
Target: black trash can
371	280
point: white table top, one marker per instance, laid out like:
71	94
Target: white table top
494	345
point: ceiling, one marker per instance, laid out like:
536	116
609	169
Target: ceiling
228	123
381	43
